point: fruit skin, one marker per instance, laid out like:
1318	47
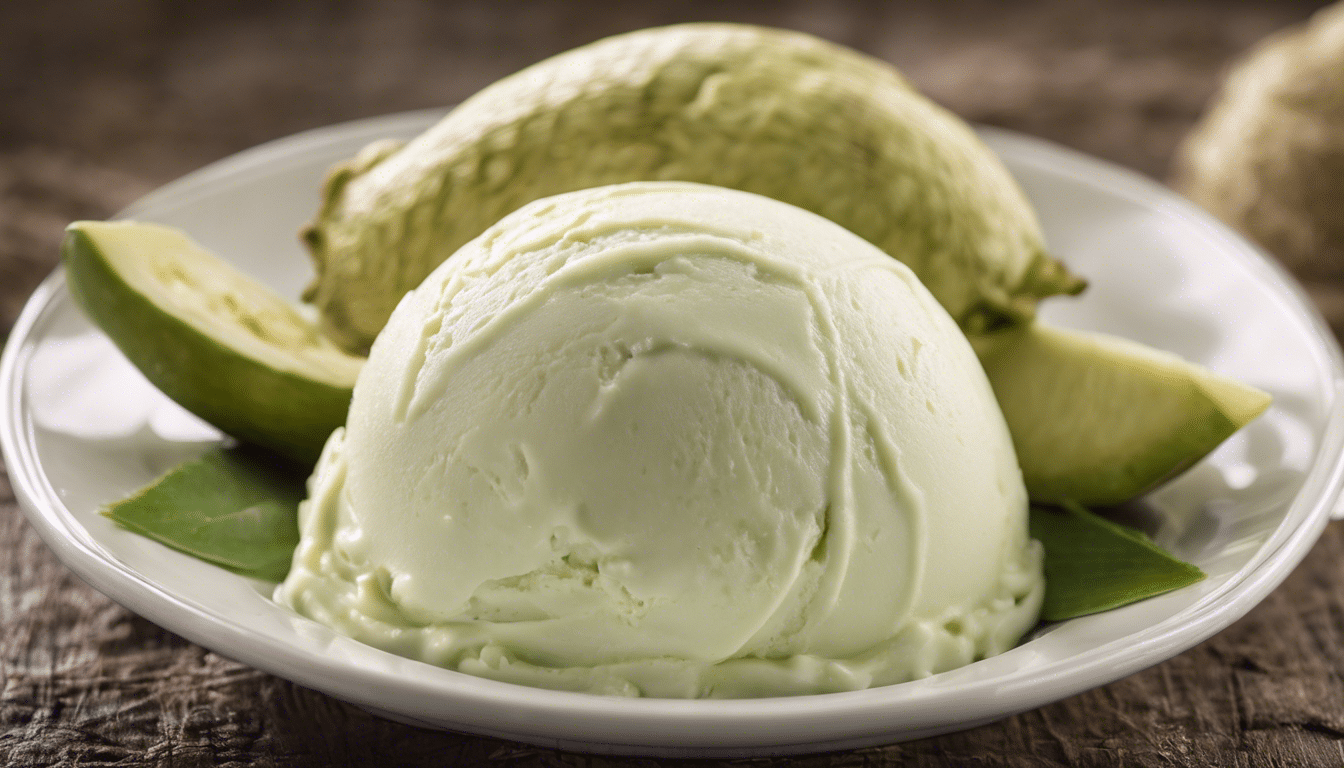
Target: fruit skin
284	411
777	113
1268	158
1099	420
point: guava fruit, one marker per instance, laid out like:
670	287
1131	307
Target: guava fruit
778	113
1268	158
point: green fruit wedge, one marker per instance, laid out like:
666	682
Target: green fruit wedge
778	113
221	344
1098	419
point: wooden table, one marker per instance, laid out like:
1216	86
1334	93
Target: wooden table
100	103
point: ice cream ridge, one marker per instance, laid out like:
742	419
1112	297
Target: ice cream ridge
672	440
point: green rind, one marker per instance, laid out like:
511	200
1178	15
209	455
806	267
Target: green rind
776	113
1093	564
283	411
1101	420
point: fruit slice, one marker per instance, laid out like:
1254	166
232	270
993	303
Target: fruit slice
778	113
221	344
1098	419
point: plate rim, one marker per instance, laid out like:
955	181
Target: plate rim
705	727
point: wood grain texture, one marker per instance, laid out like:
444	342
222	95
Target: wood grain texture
99	103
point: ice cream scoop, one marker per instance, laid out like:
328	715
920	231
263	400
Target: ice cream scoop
674	440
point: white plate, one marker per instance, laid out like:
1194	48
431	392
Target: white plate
81	428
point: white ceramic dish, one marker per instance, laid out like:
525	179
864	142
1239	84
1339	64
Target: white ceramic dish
81	428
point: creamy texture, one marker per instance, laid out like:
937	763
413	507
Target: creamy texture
672	440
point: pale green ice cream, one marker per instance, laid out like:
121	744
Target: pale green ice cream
672	440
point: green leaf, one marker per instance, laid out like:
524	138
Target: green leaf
237	508
234	507
1093	564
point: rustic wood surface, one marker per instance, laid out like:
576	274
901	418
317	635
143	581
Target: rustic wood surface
102	102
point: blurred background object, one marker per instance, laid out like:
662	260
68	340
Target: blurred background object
1269	156
101	102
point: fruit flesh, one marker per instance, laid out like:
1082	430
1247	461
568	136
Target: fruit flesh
218	343
1099	419
777	113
